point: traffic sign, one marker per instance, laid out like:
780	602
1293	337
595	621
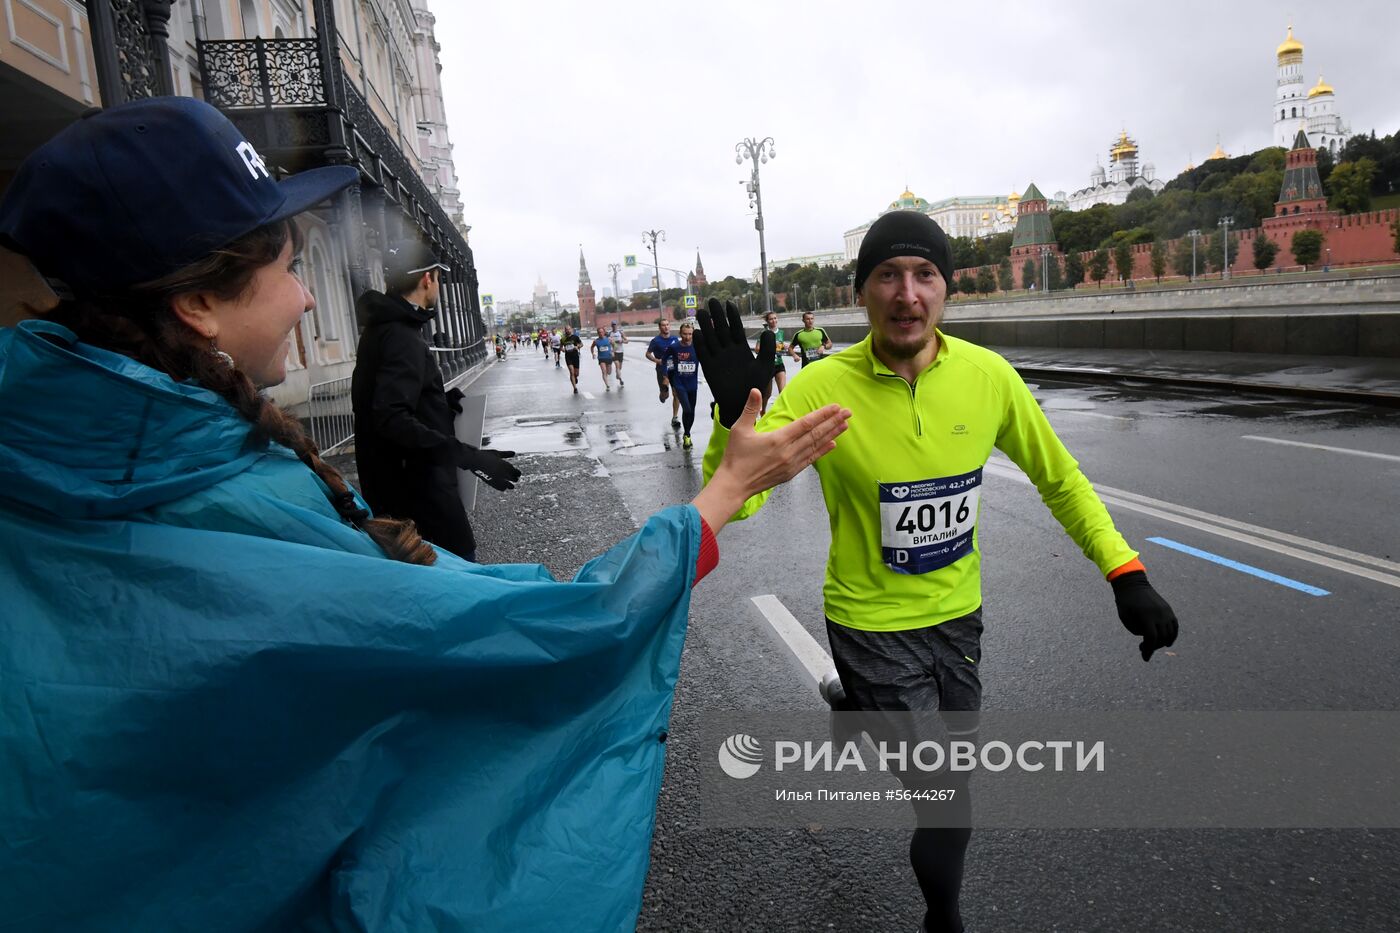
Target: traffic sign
691	301
488	300
630	261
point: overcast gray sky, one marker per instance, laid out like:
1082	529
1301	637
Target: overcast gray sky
588	123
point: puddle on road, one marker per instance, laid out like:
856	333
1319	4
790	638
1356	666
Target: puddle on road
536	435
642	449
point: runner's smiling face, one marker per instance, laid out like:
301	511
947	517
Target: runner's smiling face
903	298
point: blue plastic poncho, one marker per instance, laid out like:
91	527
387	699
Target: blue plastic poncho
221	707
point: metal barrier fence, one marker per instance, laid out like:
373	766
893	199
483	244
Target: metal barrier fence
332	418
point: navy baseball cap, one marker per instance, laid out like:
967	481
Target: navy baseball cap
134	192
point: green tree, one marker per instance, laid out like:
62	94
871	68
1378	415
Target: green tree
1349	188
1181	257
1395	229
968	282
1098	266
1123	260
1005	279
1029	275
1307	246
1159	259
1265	250
1074	269
986	281
953	286
1325	164
1055	276
1215	251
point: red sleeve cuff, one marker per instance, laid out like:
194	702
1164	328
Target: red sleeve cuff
1129	567
709	552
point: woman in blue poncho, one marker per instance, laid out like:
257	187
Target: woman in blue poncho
229	697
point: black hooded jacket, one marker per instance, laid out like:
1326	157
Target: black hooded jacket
404	442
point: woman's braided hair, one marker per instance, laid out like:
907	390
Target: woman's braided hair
139	323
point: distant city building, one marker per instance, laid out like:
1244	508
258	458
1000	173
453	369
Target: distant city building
1301	109
697	278
587	304
972	216
825	260
540	296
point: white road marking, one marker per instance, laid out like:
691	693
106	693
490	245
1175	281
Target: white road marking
798	640
1085	414
1336	450
1350	562
625	439
589	395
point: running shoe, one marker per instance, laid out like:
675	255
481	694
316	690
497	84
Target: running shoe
665	394
687	443
675	422
576	390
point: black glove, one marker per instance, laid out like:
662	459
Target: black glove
730	367
454	400
492	466
1143	612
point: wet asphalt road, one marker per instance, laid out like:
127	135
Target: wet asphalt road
596	466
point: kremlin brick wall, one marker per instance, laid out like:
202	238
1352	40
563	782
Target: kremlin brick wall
1354	239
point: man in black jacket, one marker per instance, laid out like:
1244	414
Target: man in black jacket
405	447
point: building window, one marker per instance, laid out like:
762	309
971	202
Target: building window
1282	114
1295	111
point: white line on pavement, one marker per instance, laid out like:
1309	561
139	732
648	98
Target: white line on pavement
1337	450
589	395
1085	414
625	439
1235	530
799	641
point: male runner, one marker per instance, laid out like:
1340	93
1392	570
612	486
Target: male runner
554	345
571	343
904	618
811	342
770	322
656	352
685	379
618	338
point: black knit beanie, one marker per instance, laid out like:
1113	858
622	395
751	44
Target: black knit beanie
903	233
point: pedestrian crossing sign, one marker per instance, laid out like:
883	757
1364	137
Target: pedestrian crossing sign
630	261
692	301
488	300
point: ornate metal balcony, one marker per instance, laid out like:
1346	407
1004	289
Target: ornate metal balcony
261	73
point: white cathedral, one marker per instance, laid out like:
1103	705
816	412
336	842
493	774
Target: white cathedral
1298	107
1124	176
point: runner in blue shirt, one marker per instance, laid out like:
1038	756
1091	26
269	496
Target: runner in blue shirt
656	352
685	378
603	352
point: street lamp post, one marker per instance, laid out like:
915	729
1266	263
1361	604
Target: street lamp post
851	279
649	238
1225	244
1328	267
1045	269
757	151
614	268
1194	235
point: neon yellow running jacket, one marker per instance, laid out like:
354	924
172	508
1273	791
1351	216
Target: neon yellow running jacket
903	486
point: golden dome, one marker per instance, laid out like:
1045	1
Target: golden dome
1013	197
1321	88
986	216
1219	153
1290	45
1124	147
908	194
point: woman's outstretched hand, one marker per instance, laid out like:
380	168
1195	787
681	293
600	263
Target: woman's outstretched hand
754	461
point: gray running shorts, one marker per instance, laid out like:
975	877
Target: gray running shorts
932	668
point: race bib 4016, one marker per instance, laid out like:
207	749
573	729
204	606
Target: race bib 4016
928	524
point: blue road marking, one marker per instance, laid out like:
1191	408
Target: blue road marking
1236	565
